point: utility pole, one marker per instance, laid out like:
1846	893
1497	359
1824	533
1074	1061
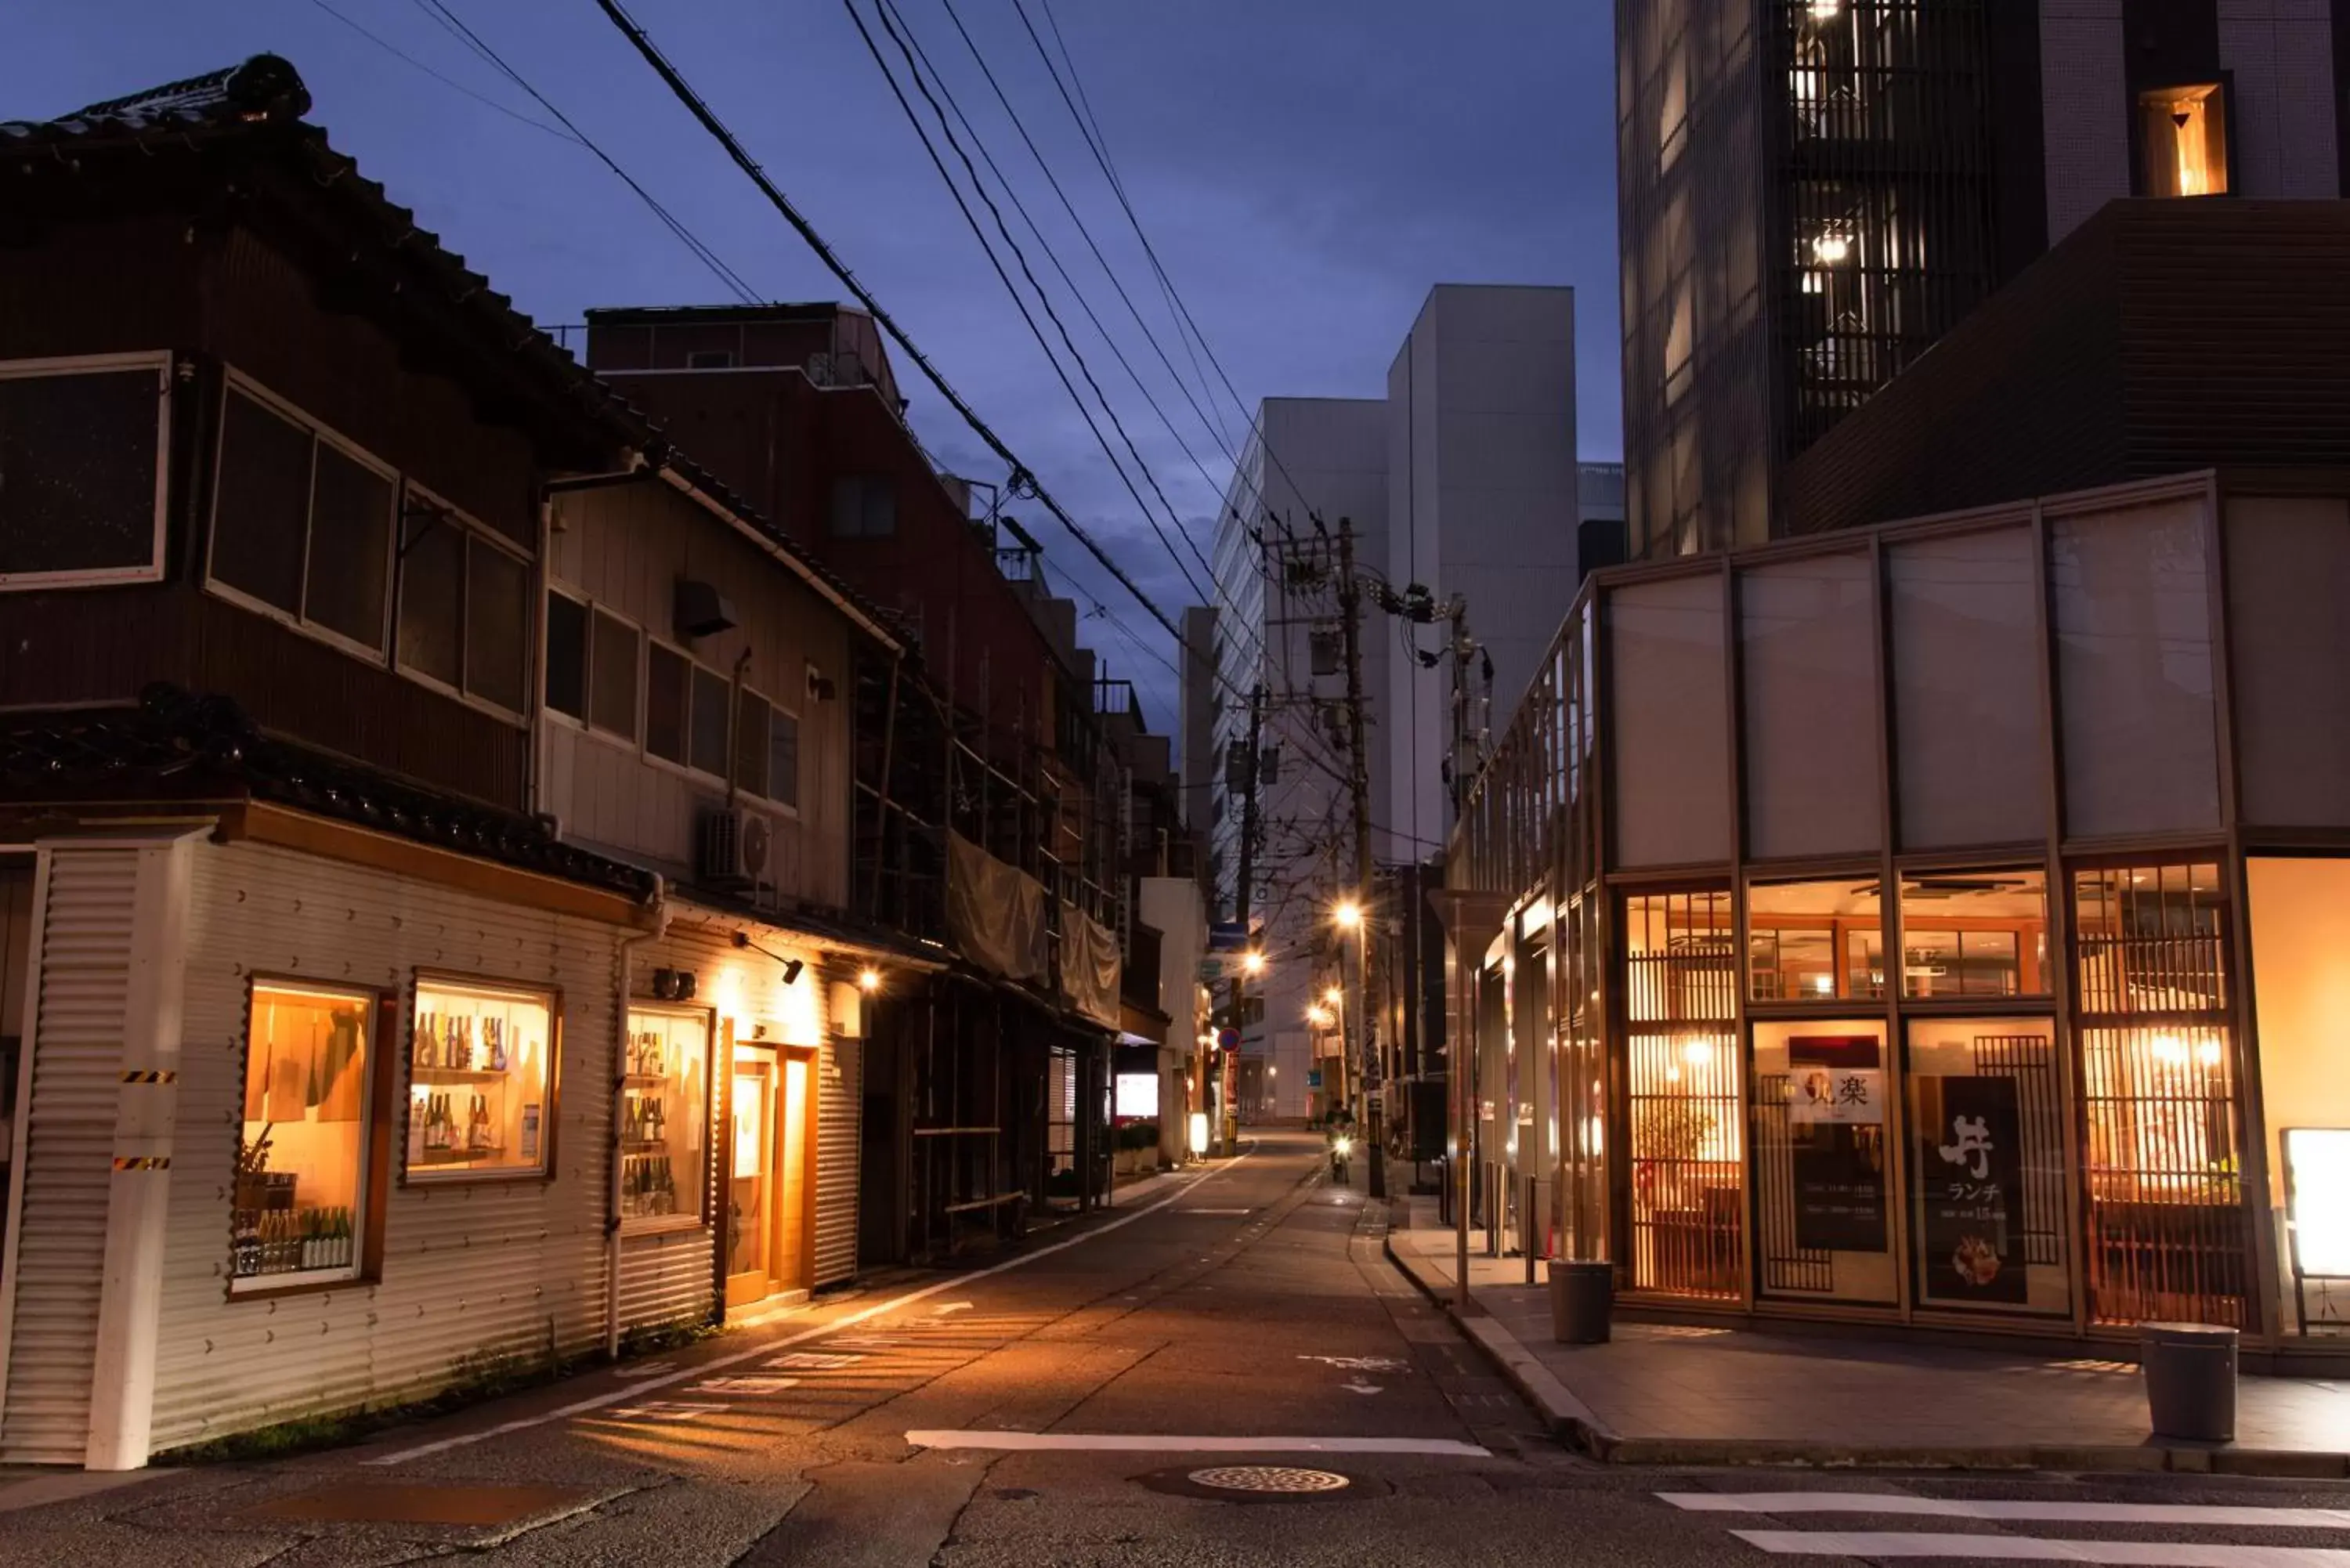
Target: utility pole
1229	1069
1358	779
1461	1064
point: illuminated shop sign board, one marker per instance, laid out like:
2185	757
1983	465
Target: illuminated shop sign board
2317	1201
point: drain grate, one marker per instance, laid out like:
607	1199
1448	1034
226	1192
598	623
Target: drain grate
1285	1481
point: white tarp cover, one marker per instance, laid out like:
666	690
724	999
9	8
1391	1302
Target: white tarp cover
1090	966
996	912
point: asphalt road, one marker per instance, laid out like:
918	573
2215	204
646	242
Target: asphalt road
1060	1406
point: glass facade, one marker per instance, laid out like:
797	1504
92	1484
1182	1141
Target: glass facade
2034	1048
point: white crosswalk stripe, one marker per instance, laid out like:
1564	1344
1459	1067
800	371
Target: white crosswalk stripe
1876	1543
1999	1546
1783	1502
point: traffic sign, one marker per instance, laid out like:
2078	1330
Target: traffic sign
1228	1039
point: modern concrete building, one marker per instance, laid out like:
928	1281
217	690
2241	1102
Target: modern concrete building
1461	479
1309	458
1813	192
1938	919
1482	501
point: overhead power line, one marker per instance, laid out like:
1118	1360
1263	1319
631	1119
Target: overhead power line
457	29
946	131
1021	478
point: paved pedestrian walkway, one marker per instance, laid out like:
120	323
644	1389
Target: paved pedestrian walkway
1672	1393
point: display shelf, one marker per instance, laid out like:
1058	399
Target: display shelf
424	1074
644	1080
455	1156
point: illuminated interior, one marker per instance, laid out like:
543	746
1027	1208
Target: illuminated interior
481	1062
299	1188
2183	137
2301	986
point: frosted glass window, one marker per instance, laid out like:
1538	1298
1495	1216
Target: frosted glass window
2133	629
2288	582
1806	636
1671	793
1966	708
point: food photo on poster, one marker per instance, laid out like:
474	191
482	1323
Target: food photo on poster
1970	1190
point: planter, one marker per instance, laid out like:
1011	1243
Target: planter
1581	1301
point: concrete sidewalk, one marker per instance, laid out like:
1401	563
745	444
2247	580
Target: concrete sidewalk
1666	1394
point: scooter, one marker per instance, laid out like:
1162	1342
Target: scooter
1340	1147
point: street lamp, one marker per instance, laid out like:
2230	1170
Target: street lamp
1334	996
1349	914
868	980
1251	963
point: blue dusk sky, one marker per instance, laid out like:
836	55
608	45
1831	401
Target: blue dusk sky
1306	169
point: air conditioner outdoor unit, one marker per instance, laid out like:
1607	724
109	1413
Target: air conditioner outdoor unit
731	847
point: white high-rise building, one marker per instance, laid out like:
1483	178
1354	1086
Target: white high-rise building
1463	478
1308	459
1482	503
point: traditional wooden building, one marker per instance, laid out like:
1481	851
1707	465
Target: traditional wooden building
425	813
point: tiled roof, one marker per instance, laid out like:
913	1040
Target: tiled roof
261	103
263	89
174	745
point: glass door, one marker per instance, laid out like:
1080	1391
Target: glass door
751	1192
1823	1180
1986	1140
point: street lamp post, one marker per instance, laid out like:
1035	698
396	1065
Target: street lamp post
1349	917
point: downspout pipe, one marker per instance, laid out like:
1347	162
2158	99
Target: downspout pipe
659	905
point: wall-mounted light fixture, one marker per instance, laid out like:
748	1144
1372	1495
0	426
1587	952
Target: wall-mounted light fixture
673	984
868	980
792	966
1831	249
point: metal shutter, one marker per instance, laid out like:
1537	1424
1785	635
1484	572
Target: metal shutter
83	971
839	1120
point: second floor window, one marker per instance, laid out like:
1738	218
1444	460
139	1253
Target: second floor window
465	607
863	508
302	524
81	492
2183	140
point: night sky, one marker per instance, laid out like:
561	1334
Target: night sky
1305	168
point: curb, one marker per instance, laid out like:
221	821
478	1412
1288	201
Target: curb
1574	1423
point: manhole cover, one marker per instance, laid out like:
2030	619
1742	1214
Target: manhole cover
1285	1479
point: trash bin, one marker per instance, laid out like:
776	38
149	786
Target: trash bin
1582	1297
2190	1380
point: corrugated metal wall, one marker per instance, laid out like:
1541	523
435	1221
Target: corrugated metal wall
839	1120
85	976
472	1272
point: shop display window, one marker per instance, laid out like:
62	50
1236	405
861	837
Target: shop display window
664	1110
2166	1234
2301	993
1813	941
1974	933
1987	1133
1823	1207
481	1076
296	1212
1687	1156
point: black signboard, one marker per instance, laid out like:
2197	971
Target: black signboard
1970	1162
1839	1164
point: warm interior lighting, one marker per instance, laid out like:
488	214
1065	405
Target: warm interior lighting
1200	1132
2184	133
2209	1053
1697	1052
2168	1049
1830	249
1827	10
1271	1071
868	980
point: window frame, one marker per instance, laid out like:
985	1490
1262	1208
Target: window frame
375	1176
790	808
682	767
587	654
634	741
2222	91
237	383
470	528
704	1215
161	360
551	996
